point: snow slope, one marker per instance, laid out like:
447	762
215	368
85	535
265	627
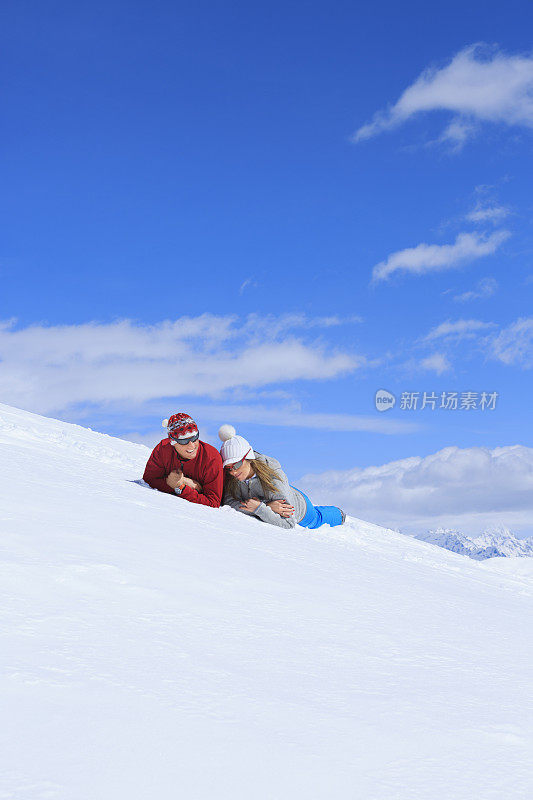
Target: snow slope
499	542
154	648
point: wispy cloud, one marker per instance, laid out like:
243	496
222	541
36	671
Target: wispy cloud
50	368
247	284
426	258
456	134
437	363
291	415
483	214
460	329
272	326
475	88
288	415
486	287
470	489
514	344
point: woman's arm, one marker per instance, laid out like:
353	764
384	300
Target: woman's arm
285	495
281	507
265	513
262	511
229	500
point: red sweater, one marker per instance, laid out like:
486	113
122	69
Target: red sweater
205	467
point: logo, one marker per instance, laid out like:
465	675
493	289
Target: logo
384	400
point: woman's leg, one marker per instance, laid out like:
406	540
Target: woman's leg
315	516
331	515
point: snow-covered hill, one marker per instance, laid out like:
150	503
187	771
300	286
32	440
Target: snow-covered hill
499	542
154	648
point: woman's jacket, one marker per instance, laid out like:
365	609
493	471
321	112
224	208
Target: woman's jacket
253	488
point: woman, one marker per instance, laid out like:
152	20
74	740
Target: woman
256	485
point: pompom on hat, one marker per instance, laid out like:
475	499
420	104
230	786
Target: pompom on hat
179	426
234	448
226	432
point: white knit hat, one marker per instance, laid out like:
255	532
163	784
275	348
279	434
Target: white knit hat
234	448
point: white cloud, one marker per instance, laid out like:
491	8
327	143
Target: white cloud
473	88
488	214
514	344
436	363
425	258
292	416
460	329
486	287
469	489
289	415
456	134
271	326
49	368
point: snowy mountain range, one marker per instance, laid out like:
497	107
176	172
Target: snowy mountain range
494	542
150	647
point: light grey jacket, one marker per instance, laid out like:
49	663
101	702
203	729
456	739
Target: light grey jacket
253	488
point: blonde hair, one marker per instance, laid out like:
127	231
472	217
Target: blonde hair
266	476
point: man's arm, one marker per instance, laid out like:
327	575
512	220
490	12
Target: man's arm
155	473
212	487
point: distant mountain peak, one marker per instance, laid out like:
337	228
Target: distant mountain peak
496	541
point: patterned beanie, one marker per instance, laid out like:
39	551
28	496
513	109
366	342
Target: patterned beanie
180	426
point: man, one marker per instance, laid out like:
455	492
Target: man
184	465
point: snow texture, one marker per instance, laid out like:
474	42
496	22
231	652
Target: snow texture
155	648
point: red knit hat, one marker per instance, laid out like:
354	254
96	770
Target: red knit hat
179	426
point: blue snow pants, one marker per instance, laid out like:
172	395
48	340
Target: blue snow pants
315	516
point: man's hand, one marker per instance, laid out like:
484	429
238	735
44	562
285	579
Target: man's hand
174	479
250	505
193	484
281	507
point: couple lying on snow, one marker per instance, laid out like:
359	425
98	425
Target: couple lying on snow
238	476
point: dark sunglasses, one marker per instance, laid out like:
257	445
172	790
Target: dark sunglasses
187	439
236	464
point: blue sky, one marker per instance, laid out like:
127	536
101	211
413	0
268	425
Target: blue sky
193	222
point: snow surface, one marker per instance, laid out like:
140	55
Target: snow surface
155	648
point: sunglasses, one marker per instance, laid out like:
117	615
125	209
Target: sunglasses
187	439
237	464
